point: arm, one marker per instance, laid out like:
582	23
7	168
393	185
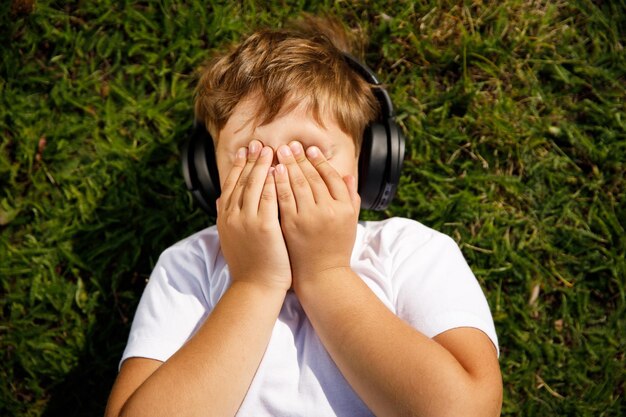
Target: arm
214	369
394	368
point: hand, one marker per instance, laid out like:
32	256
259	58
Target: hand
247	221
319	212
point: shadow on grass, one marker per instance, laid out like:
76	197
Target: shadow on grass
85	390
146	211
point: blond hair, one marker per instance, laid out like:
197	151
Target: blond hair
285	67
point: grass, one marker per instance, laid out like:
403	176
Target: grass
516	125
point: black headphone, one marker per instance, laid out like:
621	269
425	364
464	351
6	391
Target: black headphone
380	160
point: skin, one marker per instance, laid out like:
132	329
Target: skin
312	183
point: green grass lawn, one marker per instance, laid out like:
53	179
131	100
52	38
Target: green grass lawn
516	122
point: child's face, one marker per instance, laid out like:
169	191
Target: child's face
297	125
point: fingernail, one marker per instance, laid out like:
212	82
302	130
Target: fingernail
280	168
285	151
313	151
296	148
241	153
271	170
267	151
254	146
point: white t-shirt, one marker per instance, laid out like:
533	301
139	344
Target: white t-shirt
417	272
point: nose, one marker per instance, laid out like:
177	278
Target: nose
274	157
274	147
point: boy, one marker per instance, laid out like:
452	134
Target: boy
290	306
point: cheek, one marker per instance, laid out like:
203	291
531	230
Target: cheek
224	165
345	165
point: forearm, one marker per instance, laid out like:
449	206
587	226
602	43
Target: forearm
212	372
395	369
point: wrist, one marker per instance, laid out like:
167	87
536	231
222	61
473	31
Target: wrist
330	275
261	288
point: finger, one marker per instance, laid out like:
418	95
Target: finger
333	180
231	179
254	149
284	193
355	198
316	182
256	181
299	184
268	205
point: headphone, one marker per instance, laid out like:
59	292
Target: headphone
380	160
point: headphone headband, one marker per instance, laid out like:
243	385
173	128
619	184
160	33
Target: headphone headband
386	107
361	68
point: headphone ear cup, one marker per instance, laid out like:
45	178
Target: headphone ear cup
372	164
200	168
397	143
380	163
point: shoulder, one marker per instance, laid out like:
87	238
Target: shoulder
183	288
433	287
194	265
200	247
399	235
